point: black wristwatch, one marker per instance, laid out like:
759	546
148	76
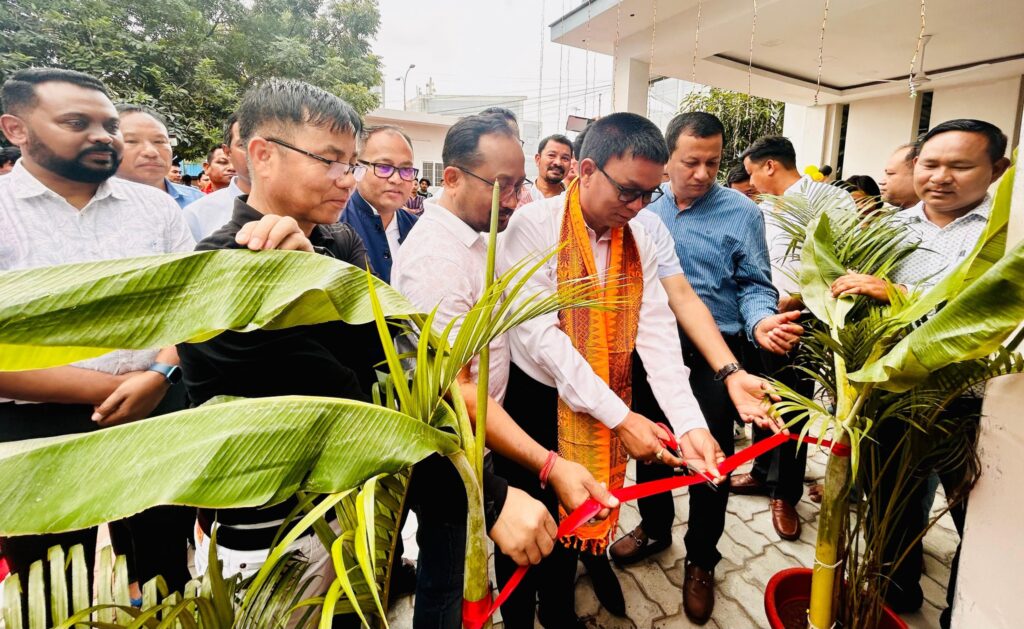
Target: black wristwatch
728	370
171	373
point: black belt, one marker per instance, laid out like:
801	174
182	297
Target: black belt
256	536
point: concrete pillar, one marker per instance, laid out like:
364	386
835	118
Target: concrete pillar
629	84
814	132
988	586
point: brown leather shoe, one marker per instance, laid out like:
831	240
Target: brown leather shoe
747	485
635	545
698	593
785	520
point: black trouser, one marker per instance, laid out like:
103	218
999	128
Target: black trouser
707	506
438	496
904	593
534	406
781	469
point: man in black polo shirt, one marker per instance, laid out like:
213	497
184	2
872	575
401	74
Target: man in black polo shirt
302	161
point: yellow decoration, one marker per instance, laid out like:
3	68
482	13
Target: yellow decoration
814	173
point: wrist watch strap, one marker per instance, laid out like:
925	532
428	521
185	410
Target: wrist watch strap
728	370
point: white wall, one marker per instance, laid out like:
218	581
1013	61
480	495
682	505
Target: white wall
813	131
875	127
988	589
995	102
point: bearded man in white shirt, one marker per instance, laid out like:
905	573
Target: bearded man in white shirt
569	387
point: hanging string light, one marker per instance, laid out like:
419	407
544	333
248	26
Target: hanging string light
540	69
615	48
821	52
650	64
750	70
696	44
917	51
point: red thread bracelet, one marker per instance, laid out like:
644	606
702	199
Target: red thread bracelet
545	471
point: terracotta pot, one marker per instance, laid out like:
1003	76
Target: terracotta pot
788	596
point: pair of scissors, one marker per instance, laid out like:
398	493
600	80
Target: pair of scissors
672	445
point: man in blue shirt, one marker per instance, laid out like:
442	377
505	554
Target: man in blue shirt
375	208
719	240
147	153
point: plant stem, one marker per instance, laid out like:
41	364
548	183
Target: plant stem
476	584
826	548
483	368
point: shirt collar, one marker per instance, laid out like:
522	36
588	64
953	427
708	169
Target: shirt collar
799	185
27	186
455	226
670	196
915	213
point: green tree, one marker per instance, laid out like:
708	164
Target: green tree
746	118
192	61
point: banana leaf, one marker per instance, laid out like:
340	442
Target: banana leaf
241	453
57	315
972	325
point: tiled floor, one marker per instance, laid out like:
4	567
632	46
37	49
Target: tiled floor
752	553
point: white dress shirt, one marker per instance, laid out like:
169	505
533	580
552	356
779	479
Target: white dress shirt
39	228
441	264
786	267
213	211
390	232
668	261
545	353
940	248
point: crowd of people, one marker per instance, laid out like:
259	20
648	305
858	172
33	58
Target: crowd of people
703	274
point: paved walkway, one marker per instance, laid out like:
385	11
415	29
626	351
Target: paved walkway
752	553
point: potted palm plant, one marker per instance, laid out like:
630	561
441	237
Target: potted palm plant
881	364
341	455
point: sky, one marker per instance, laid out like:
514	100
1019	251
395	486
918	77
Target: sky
491	47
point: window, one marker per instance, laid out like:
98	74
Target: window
841	155
434	171
924	116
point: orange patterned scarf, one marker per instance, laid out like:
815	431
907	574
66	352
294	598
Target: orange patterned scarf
606	339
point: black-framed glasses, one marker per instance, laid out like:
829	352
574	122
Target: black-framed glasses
384	171
628	195
335	169
518	190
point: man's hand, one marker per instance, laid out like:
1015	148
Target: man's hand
573	485
790	302
779	333
860	284
642	439
702	452
525	531
136	398
273	232
753	396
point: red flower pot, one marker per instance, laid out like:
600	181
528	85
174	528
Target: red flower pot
788	596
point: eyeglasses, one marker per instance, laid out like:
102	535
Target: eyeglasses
335	169
518	190
628	195
384	171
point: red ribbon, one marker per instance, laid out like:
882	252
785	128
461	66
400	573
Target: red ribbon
475	614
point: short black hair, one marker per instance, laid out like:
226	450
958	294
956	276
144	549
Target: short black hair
426	180
228	130
369	132
560	139
290	102
462	142
737	174
696	123
209	155
577	143
9	154
502	112
131	108
19	91
826	170
996	138
774	147
863	183
621	134
911	154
